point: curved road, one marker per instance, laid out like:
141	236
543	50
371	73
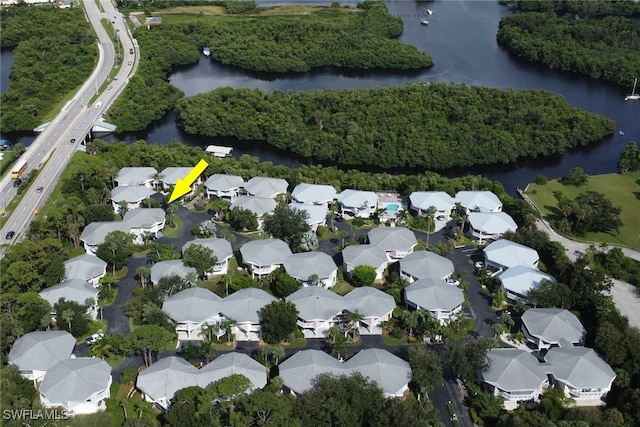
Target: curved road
74	121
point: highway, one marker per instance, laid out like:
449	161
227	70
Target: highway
53	147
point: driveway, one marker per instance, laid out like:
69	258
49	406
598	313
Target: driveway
118	322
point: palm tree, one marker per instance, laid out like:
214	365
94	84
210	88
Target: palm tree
209	330
67	316
430	213
353	320
337	341
102	348
124	207
226	324
144	273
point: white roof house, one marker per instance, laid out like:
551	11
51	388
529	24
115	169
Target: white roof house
144	220
581	374
233	363
317	310
504	253
168	268
260	206
261	186
421	201
85	267
244	307
357	203
161	381
317	214
443	301
514	375
552	327
517	281
80	385
374	305
304	265
131	194
424	265
171	175
314	194
136	176
94	233
221	249
191	309
397	242
76	290
371	255
390	372
224	186
479	201
35	352
264	256
490	225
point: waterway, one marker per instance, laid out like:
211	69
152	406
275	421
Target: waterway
461	38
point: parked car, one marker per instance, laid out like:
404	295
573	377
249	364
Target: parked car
95	337
453	282
441	218
479	265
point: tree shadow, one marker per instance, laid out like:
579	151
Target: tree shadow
637	193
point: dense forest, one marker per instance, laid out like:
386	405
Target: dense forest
54	53
260	41
598	38
432	126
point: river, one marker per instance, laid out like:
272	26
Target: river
461	38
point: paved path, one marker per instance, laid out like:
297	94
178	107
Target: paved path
625	296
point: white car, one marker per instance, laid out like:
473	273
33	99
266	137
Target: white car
479	265
453	282
95	337
99	105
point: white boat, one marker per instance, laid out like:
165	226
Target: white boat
430	12
634	96
206	51
424	22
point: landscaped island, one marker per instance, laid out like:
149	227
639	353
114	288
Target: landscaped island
432	126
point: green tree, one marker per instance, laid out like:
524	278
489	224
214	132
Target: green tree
426	369
468	359
278	320
263	408
487	406
32	311
286	223
308	241
283	284
193	407
630	158
242	220
337	340
199	257
149	340
363	275
576	177
72	317
116	249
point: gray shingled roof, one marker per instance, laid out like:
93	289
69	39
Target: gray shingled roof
300	370
94	233
370	255
135	175
144	217
221	248
425	199
171	174
75	380
521	279
84	267
356	198
432	296
76	290
305	264
168	268
553	325
513	370
492	222
192	305
581	367
392	238
509	254
369	301
40	350
426	264
244	305
258	205
130	193
316	303
223	182
261	186
265	252
313	193
390	372
317	213
233	363
485	201
166	377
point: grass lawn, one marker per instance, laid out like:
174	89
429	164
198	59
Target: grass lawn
389	340
622	190
173	232
342	287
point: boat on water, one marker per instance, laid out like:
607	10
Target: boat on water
424	22
430	12
634	96
206	51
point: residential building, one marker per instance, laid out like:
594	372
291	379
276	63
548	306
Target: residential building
226	187
85	267
260	186
490	225
79	385
221	249
264	256
503	253
233	363
160	382
260	206
192	310
318	310
136	176
244	308
169	177
371	255
312	268
421	201
397	242
76	290
314	194
132	195
355	203
515	375
425	265
552	327
374	305
299	371
35	352
443	301
317	214
478	201
143	221
93	234
516	282
174	267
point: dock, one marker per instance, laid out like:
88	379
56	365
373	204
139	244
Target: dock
219	150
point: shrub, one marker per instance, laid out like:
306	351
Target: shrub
541	180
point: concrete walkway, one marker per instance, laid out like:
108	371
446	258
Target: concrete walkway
625	296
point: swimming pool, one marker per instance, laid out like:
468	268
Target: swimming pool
392	207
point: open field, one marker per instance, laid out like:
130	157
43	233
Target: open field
622	190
